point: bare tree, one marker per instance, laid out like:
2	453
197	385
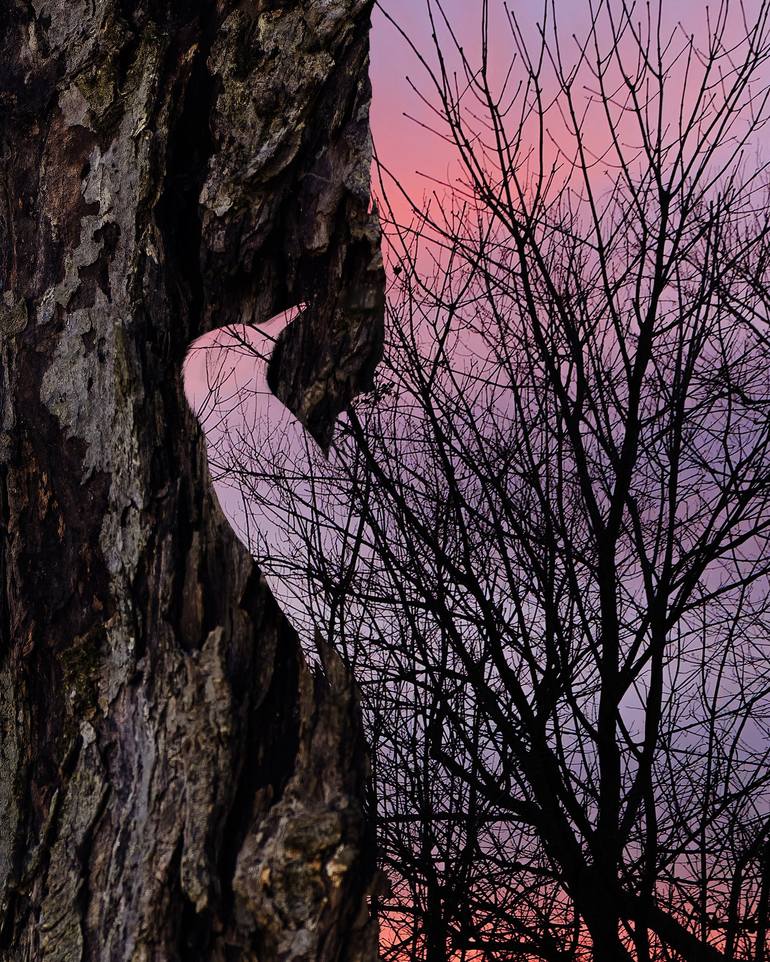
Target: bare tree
542	541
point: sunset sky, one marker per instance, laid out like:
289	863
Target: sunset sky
401	143
403	146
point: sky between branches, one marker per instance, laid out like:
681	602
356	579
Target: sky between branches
415	155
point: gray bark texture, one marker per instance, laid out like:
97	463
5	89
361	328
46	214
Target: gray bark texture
175	783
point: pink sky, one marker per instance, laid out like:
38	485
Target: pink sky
403	146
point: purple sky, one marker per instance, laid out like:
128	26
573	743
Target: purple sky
402	145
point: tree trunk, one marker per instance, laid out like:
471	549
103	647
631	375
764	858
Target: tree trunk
174	782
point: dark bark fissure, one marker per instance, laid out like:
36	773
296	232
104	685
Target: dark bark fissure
186	165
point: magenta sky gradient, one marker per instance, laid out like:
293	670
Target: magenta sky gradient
402	145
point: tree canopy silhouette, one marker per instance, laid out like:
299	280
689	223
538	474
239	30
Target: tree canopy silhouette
542	541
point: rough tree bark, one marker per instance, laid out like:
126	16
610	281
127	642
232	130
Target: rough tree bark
174	782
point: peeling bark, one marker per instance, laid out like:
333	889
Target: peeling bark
174	782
